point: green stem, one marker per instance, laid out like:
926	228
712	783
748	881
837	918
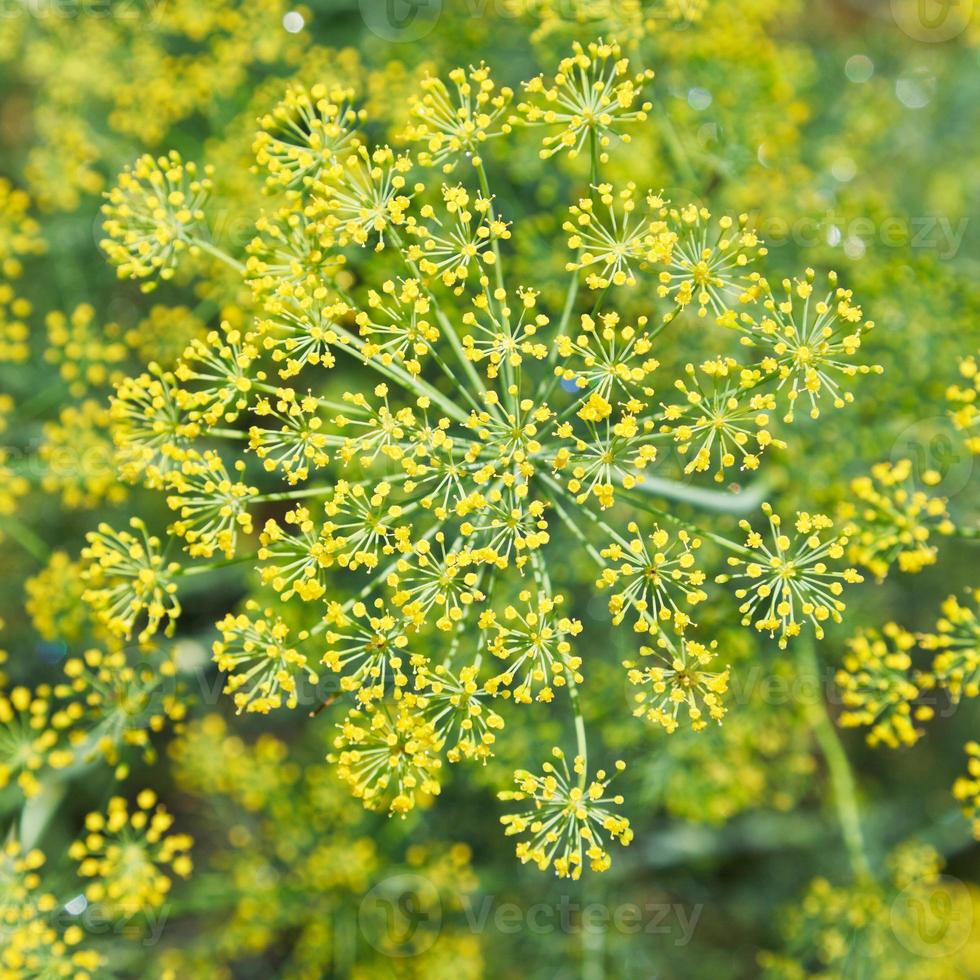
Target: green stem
219	254
841	776
26	538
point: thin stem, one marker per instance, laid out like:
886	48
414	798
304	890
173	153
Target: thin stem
841	775
26	538
220	254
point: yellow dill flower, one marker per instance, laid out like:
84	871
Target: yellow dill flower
297	444
149	428
263	670
454	123
305	133
12	484
20	234
592	94
500	337
891	520
32	737
655	577
614	239
127	578
211	506
963	398
218	370
706	262
365	194
302	329
15	333
131	854
571	819
678	681
454	703
79	457
723	420
369	647
164	334
388	755
398	327
806	340
35	942
292	255
534	644
464	241
956	664
84	352
125	703
878	689
53	600
966	789
608	357
790	581
153	214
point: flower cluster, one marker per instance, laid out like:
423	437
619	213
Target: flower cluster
890	520
878	689
571	818
131	853
420	435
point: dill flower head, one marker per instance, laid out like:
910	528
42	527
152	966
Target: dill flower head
431	438
388	753
878	689
808	343
571	819
891	519
127	578
455	704
592	94
707	261
677	680
956	642
790	581
721	423
131	854
86	353
79	457
12	484
305	132
263	669
152	214
369	648
613	239
31	942
963	399
656	578
125	703
452	121
533	642
33	737
966	789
